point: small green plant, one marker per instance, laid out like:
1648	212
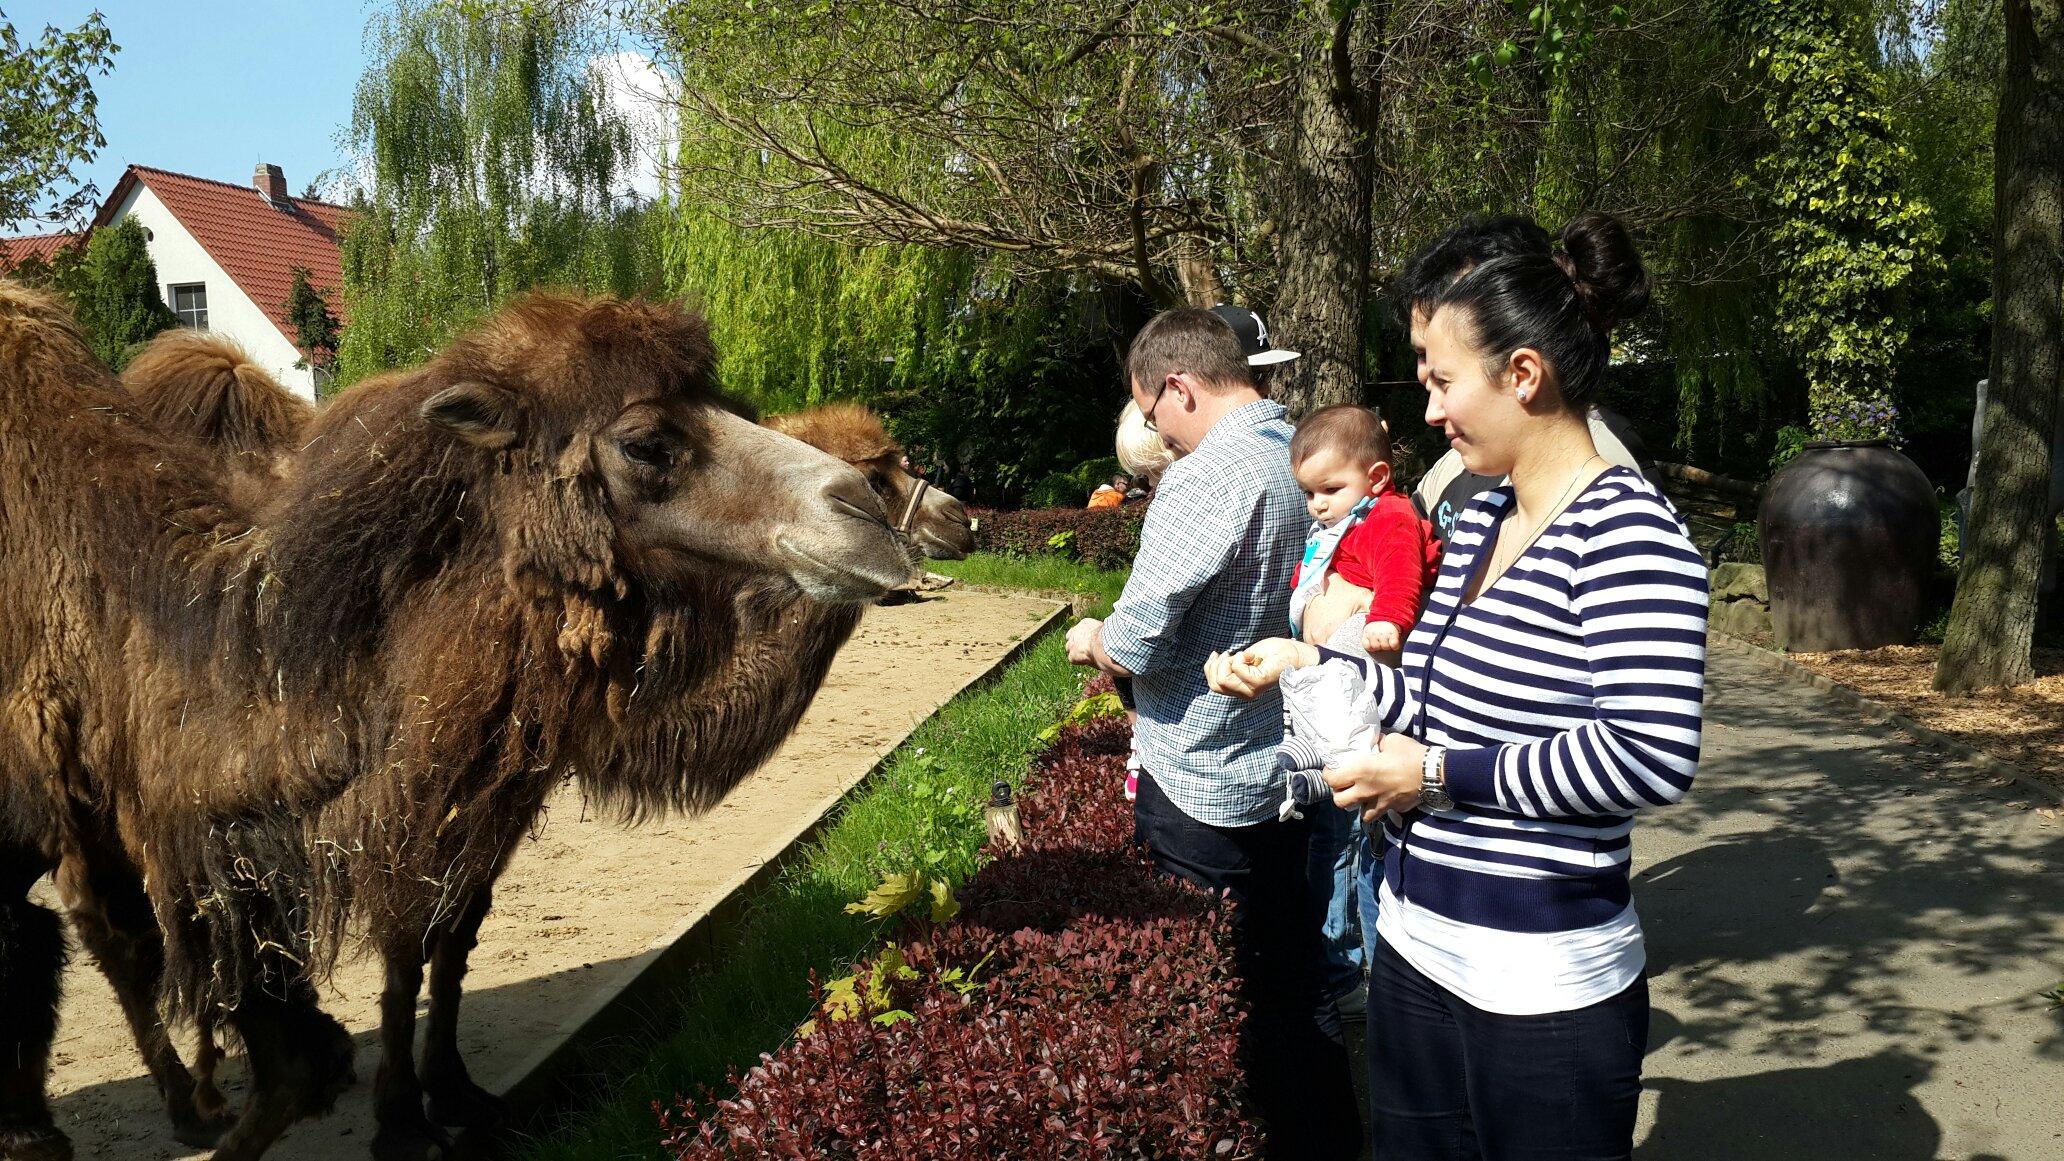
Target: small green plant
1791	440
1062	543
1089	709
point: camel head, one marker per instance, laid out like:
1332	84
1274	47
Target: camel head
932	518
606	409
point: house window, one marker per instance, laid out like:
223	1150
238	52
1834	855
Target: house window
190	303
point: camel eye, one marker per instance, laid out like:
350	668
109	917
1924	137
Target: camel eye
650	451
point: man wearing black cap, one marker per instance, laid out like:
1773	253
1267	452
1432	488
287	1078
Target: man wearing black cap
1254	340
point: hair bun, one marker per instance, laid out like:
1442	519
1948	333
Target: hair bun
1599	256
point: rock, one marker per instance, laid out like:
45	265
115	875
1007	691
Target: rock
1733	581
1741	618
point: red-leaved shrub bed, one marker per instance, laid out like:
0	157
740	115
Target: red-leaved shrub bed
1102	1021
1104	537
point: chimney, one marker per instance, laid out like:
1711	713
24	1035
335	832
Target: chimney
270	182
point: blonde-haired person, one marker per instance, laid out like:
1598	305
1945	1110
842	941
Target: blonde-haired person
1143	453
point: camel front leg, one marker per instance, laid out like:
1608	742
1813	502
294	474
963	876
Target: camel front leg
454	1098
403	1132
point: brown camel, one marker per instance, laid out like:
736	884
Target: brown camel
188	678
410	893
935	522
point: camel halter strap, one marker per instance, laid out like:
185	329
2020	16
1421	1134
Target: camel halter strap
917	495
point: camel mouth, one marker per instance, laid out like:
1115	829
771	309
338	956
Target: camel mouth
847	576
953	544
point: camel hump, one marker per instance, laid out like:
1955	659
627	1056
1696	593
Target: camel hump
203	387
847	430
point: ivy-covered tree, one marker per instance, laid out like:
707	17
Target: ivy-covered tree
50	119
116	293
315	326
1847	239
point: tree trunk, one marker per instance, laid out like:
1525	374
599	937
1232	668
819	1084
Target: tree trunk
1992	622
1196	274
1328	177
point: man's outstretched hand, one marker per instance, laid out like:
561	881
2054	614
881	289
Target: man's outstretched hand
1245	673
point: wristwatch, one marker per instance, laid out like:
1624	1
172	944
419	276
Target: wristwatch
1433	780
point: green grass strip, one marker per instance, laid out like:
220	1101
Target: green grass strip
921	812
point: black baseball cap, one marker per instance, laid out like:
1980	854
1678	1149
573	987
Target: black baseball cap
1253	334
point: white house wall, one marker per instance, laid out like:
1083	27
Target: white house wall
181	260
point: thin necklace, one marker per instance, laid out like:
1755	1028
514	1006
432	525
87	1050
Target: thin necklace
1491	576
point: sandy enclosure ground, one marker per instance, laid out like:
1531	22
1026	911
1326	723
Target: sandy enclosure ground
585	897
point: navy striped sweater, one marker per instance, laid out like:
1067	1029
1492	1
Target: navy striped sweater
1569	695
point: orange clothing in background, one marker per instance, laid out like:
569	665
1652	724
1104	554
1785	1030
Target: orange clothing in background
1106	497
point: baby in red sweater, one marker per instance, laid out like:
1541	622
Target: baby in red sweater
1368	554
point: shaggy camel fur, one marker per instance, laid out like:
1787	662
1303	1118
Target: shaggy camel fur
116	547
562	485
201	386
434	894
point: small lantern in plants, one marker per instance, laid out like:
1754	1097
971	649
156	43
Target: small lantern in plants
1002	813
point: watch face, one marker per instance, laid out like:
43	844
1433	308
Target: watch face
1436	800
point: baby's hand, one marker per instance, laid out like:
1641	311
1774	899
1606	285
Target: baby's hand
1382	637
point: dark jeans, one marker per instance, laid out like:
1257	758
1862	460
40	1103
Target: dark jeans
1296	1064
1448	1080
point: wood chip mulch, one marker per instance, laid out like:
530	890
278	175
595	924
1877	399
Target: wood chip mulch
2024	725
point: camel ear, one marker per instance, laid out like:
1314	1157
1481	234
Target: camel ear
479	413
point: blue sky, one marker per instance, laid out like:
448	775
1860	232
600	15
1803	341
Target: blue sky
212	88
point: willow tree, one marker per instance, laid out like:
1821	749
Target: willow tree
990	379
497	162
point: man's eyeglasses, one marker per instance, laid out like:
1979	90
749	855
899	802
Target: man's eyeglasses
1147	416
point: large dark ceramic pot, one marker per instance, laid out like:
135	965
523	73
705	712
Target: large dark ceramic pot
1849	532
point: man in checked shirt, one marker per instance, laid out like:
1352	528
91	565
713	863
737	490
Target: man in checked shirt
1213	572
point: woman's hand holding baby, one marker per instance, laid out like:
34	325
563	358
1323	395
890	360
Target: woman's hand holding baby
1247	672
1386	778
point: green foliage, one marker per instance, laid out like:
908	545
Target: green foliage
116	294
1095	707
1848	239
1005	379
1791	440
315	327
497	164
50	118
1071	489
1558	34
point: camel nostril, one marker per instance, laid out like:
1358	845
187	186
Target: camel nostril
849	493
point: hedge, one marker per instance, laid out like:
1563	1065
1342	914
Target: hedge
1103	537
1078	1006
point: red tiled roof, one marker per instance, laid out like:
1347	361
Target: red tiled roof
15	251
255	243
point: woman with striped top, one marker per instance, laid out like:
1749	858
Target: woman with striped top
1550	692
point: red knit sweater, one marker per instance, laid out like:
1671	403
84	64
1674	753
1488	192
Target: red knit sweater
1393	554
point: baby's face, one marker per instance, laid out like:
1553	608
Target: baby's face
1333	483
